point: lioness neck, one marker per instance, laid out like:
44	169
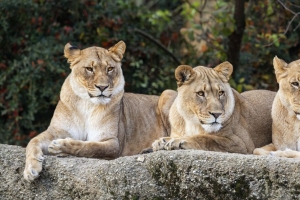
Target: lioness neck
85	120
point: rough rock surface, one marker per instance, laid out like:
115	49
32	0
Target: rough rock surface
160	175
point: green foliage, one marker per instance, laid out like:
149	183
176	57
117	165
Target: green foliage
266	22
34	32
32	66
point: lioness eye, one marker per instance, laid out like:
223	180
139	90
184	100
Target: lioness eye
221	93
296	84
110	69
89	69
201	93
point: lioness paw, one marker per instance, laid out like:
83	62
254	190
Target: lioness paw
159	144
33	167
57	146
174	144
286	153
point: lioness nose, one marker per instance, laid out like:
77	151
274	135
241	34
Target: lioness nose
216	115
101	87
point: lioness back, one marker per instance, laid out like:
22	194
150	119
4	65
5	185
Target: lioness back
257	110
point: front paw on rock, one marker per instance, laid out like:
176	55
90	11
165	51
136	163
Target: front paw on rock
55	147
174	144
30	175
33	168
159	144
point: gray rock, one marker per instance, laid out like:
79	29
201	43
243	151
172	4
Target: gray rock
160	175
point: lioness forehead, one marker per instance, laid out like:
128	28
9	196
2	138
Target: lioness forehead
207	77
294	67
95	56
294	70
295	64
95	52
205	72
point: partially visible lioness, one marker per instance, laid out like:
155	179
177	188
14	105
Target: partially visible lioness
208	114
285	112
94	117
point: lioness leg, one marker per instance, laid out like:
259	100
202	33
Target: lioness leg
198	142
104	149
265	150
202	142
286	153
169	143
35	150
160	143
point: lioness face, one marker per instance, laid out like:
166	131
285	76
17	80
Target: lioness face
288	77
204	95
96	72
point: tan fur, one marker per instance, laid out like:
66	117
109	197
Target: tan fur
285	112
90	125
208	114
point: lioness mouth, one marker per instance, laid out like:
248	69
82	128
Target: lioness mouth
99	96
213	123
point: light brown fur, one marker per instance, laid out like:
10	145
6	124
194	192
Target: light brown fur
205	97
90	125
285	112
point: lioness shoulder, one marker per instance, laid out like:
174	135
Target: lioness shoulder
285	112
94	117
208	114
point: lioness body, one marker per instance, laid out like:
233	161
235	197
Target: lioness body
128	120
207	114
285	112
94	117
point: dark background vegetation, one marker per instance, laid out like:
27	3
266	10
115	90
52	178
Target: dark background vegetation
159	35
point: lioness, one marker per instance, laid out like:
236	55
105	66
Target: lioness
208	114
94	117
285	112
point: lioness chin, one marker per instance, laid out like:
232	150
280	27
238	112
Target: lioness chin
208	114
285	112
94	117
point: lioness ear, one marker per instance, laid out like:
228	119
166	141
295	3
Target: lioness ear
184	74
280	67
225	69
117	51
71	52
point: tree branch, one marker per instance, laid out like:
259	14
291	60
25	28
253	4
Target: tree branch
294	5
290	22
158	44
294	17
286	7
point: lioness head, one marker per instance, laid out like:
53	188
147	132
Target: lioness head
96	72
288	78
204	95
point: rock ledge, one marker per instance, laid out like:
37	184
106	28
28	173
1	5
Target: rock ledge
161	175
